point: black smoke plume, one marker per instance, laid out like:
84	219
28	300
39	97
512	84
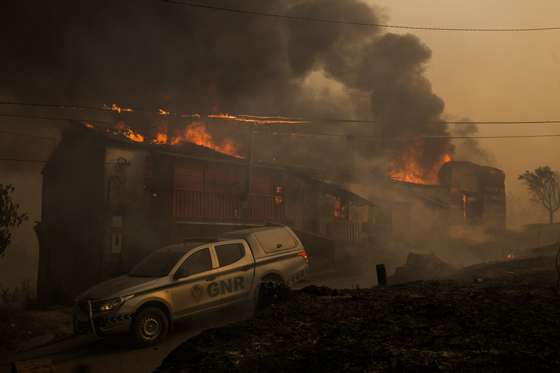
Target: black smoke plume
151	54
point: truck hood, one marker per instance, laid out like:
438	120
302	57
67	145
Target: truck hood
119	286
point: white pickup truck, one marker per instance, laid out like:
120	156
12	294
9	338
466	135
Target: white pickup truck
195	276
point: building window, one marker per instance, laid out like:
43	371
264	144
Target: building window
340	208
278	195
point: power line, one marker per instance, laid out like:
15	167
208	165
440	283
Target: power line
193	4
56	119
29	135
306	133
22	160
283	119
504	122
105	108
362	137
409	138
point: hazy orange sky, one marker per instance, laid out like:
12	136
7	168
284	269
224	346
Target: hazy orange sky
494	76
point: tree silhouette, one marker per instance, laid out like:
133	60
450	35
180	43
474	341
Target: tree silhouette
544	186
9	216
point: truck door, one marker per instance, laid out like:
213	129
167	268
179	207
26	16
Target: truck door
234	280
189	293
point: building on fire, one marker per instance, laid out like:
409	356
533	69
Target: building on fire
108	201
468	198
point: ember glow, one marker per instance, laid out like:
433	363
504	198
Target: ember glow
118	109
256	119
408	167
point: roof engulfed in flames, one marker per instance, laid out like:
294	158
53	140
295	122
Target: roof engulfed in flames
195	133
409	168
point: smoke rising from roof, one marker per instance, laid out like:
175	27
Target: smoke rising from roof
149	53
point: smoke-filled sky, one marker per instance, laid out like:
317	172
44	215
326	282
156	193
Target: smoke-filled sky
150	53
495	76
147	53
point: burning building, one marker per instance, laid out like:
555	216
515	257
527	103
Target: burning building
109	198
479	191
466	197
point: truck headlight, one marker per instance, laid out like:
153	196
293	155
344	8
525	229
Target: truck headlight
110	304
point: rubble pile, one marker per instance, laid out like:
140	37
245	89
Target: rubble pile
422	267
500	324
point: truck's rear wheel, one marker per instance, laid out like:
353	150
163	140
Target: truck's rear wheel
272	290
150	326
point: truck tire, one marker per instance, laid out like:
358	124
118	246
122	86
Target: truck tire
272	290
150	326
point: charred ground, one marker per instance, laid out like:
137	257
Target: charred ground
494	318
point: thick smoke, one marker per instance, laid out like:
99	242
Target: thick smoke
150	54
469	149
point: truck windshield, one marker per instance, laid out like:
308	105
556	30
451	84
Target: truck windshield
159	263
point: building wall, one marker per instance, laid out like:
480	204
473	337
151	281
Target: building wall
294	201
479	190
71	229
213	191
128	232
20	262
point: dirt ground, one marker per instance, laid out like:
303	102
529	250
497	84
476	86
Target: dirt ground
502	317
24	329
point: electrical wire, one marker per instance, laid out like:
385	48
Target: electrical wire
308	133
56	119
22	160
193	4
409	138
244	118
29	135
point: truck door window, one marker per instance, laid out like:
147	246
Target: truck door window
230	253
199	262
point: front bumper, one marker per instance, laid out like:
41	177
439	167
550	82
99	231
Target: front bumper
86	322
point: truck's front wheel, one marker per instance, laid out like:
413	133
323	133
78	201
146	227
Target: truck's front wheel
150	326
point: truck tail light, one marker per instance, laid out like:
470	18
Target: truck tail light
303	254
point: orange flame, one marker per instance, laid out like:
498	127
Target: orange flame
196	133
119	109
164	113
409	169
129	132
161	136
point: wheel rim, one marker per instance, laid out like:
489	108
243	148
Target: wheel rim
151	327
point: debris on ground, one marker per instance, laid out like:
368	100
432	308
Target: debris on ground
502	324
422	267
